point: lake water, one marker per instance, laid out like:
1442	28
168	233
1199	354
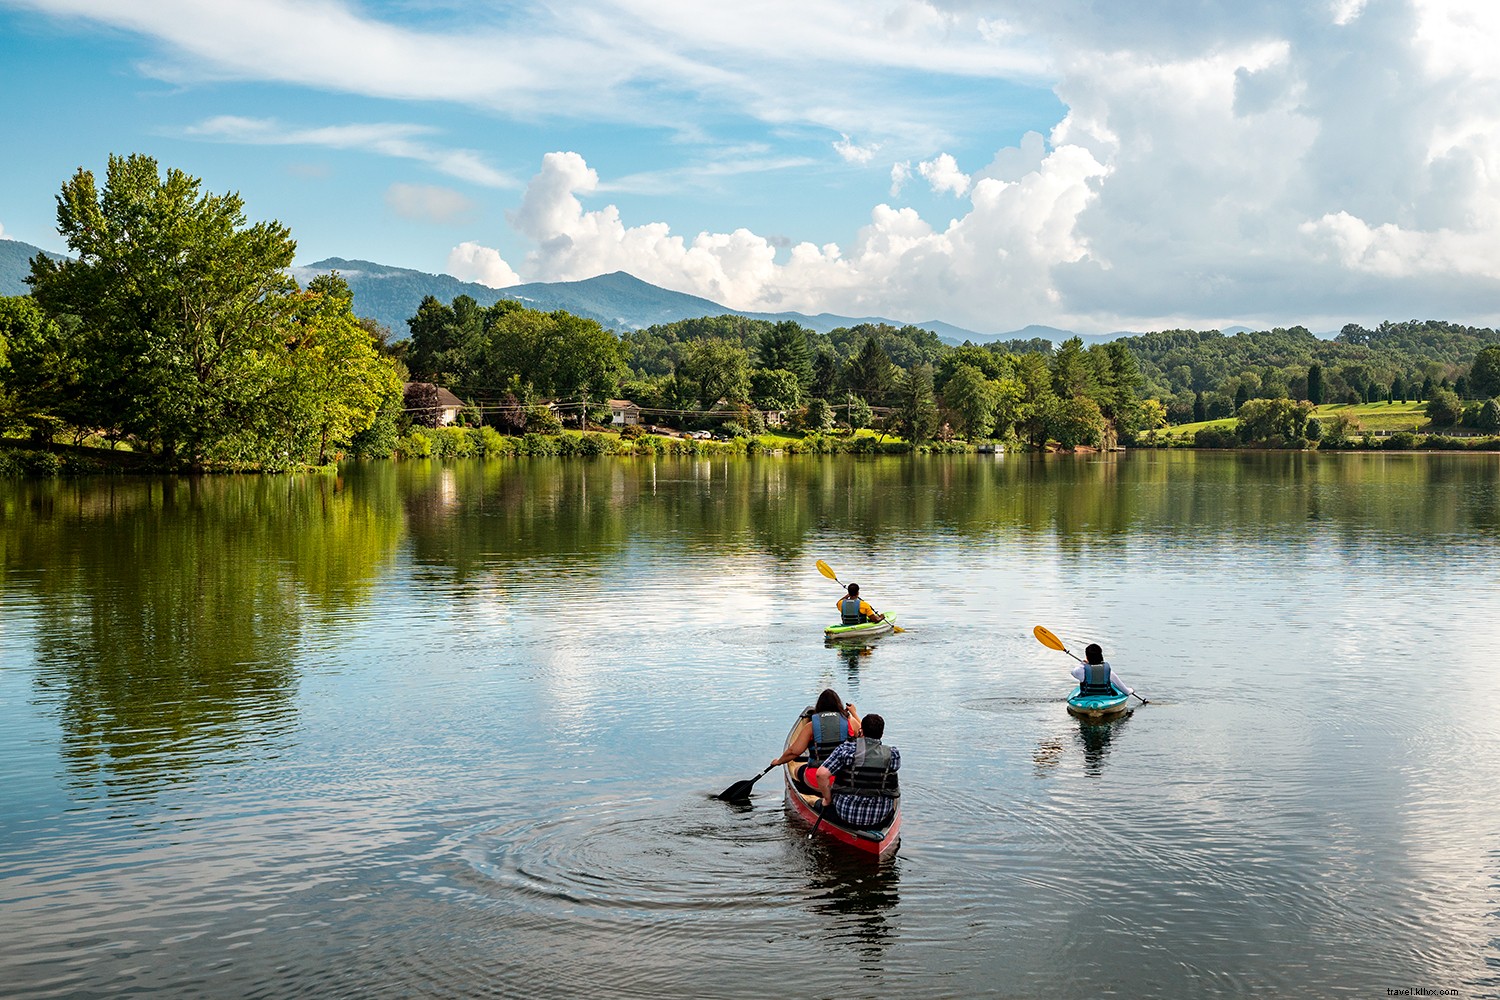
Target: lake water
433	731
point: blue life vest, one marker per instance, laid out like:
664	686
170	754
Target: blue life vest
1096	680
869	771
829	729
849	609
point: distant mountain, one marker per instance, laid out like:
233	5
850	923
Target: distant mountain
618	301
15	265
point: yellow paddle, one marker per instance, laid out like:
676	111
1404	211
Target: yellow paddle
1051	641
827	571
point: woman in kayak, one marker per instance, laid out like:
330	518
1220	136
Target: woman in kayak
854	611
823	727
1098	677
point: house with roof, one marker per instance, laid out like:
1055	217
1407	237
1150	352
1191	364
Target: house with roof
447	405
624	413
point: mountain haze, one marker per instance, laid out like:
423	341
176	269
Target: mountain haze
619	301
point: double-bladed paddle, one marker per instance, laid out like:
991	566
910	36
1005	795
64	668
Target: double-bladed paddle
827	571
1051	641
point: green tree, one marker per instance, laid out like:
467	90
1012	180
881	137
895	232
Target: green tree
859	413
1315	384
1484	374
717	369
870	374
1200	409
1033	416
818	416
1489	415
1072	375
39	374
335	382
917	415
784	347
775	389
1444	408
1075	421
1275	422
182	306
971	397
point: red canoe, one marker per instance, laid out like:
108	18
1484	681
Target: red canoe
876	842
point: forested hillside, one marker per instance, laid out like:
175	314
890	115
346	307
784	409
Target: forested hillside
1395	359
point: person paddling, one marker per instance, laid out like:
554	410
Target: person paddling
1096	676
855	611
864	771
824	726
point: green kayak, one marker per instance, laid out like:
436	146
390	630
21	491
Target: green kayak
860	631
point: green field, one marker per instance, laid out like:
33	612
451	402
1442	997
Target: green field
1367	417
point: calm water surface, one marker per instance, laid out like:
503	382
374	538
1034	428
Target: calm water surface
453	731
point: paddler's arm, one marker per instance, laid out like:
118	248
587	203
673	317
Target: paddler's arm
798	746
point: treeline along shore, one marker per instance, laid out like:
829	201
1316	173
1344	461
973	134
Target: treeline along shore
174	338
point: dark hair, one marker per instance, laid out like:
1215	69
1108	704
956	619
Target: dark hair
873	726
829	701
853	590
1094	654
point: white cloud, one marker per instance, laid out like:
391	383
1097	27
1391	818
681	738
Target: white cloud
2	232
943	175
427	203
853	152
472	262
651	61
989	267
403	141
900	174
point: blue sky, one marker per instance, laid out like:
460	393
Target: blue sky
991	163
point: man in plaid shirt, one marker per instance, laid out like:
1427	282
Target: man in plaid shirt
867	770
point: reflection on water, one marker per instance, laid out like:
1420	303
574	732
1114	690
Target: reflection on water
453	730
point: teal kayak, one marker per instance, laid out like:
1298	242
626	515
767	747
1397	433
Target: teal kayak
861	631
1096	706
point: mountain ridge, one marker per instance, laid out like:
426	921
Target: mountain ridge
617	300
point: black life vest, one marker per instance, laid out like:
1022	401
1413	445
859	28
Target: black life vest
869	771
829	729
849	610
1096	680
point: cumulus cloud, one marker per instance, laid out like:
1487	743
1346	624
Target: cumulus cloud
473	262
2	231
427	203
943	175
1214	161
852	152
401	140
989	267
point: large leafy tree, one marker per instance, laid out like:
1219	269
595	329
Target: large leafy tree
972	398
336	382
1484	376
717	369
181	306
38	373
